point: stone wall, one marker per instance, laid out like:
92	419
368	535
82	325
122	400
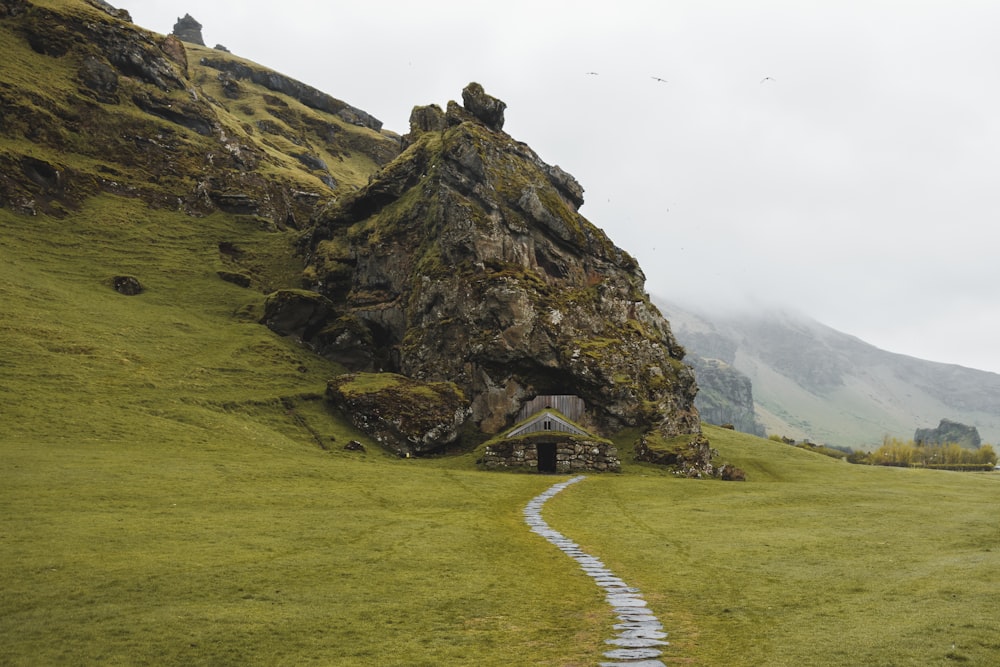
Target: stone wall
571	456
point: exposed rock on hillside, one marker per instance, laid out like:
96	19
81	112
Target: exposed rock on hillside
127	285
462	259
298	313
949	432
406	416
687	457
108	106
467	260
485	107
297	90
188	30
725	396
111	10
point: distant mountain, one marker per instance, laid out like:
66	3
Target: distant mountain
811	381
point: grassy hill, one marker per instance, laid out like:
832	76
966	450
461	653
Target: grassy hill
175	491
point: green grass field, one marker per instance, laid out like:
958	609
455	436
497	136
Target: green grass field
174	492
813	561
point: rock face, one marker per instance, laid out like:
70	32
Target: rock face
466	259
461	259
133	117
725	395
949	432
687	458
297	313
404	415
308	95
486	108
188	30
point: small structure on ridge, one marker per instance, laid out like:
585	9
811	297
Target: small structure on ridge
187	29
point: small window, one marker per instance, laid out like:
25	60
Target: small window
547	425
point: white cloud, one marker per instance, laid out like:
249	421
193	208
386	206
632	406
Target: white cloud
857	185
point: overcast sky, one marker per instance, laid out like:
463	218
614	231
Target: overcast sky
840	159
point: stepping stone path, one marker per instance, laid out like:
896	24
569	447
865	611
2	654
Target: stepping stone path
640	633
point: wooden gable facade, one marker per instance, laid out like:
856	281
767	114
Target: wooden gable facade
543	422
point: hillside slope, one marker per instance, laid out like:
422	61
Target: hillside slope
811	381
144	214
162	172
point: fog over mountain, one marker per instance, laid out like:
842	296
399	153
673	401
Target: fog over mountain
812	381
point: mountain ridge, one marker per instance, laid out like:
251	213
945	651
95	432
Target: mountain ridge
812	381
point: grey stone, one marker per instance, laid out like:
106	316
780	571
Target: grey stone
641	634
638	627
636	615
625	601
188	30
485	107
635	642
639	631
633	653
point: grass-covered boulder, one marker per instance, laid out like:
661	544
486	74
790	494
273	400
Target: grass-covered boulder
298	313
686	456
406	416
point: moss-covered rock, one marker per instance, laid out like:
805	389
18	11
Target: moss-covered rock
406	416
113	107
299	313
469	261
949	431
687	456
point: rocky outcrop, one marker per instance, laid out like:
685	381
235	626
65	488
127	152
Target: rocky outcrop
467	260
127	285
725	395
948	432
486	108
406	416
110	10
297	313
464	259
188	30
99	80
165	140
307	95
692	457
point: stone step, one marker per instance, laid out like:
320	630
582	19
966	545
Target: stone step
639	632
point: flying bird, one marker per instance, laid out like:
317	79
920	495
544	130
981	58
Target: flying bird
656	78
592	73
767	78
